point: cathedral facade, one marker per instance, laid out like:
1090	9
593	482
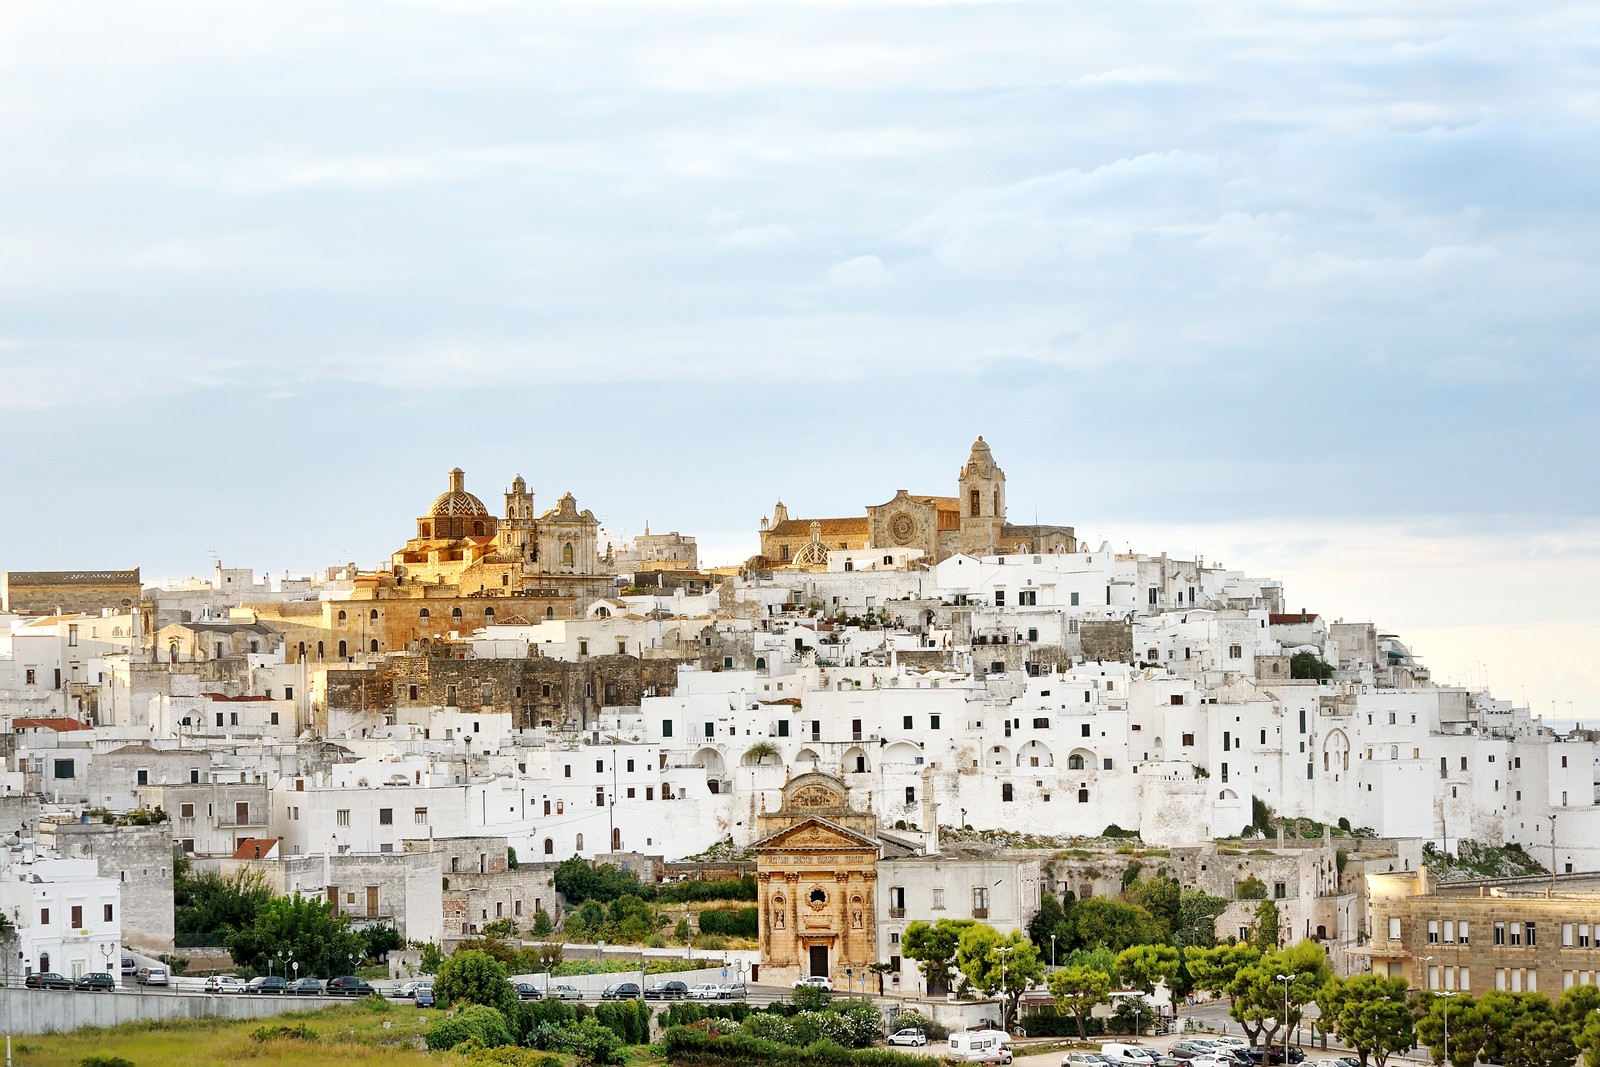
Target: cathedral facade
972	522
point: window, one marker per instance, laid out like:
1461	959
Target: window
65	768
1028	598
1237	652
1083	796
980	900
666	727
1433	931
911	794
933	722
185	811
1041	723
1394	929
711	729
999	598
905	722
1106	763
1005	791
341	817
1499	933
1188	740
142	777
1530	934
1074	599
1084	730
1280	891
109	911
77	916
385	816
419	816
44	916
1461	932
599	796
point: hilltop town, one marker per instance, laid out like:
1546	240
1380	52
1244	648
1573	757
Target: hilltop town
920	711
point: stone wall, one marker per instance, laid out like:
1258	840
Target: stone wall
1107	640
45	1011
140	858
68	592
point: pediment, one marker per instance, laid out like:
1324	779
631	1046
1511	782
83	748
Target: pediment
812	835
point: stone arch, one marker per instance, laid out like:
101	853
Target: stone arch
1227	794
711	759
1035	754
855	760
579	844
807	755
1336	752
999	756
1081	759
900	752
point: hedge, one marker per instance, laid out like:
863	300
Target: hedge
734	922
1046	1024
684	1012
684	1045
475	1022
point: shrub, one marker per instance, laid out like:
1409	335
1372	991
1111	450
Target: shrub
592	1044
275	1032
475	1022
104	1061
811	998
909	1019
764	1027
734	922
684	1012
510	1056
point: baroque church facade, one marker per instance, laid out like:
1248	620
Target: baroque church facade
972	522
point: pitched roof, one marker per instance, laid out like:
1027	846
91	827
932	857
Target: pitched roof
1299	616
851	527
256	848
58	724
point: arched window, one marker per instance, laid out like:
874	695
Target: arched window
374	614
319	649
44	961
549	613
549	846
818	896
344	653
974	498
488	615
455	614
302	650
427	529
616	840
1074	762
580	843
996	510
172	650
341	616
566	554
423	615
761	663
374	644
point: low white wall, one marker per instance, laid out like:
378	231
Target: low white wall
38	1011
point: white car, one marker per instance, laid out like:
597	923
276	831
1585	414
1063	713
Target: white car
224	983
407	990
817	980
909	1036
704	991
1084	1059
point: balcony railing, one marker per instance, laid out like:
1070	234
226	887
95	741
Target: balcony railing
897	913
980	913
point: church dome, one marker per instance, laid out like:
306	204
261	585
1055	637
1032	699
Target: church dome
457	502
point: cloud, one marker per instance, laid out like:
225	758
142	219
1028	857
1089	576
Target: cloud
862	272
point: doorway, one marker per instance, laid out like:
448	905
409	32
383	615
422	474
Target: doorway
819	960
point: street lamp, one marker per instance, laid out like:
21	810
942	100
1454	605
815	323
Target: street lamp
105	950
1552	819
1286	979
1052	952
1445	1013
1005	997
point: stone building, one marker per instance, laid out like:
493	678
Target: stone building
973	522
68	592
535	692
816	873
139	859
1518	935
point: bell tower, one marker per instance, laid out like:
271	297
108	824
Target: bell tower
983	501
516	529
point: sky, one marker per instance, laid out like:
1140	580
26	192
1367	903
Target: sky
1303	287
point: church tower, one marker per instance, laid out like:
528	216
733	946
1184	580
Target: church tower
983	501
516	529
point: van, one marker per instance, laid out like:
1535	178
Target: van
1118	1052
977	1046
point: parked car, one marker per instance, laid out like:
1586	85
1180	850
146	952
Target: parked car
565	992
527	991
820	981
150	976
407	990
620	991
731	991
667	991
423	997
128	966
47	980
968	1046
269	984
97	982
305	987
1188	1050
705	991
909	1036
1120	1052
1213	1059
223	983
348	986
1274	1054
1084	1059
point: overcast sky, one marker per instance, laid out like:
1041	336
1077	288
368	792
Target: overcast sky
1305	287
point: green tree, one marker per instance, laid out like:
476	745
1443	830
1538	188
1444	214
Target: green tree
306	928
1370	1013
1141	967
1080	990
475	977
811	998
1161	896
432	958
1252	888
380	940
542	926
996	964
209	908
1102	922
486	1026
1050	919
1214	969
1310	666
1259	996
933	946
578	880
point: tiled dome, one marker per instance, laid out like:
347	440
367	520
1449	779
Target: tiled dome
457	502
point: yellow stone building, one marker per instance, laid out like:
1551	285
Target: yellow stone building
816	872
973	521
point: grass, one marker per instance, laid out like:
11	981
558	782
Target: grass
350	1034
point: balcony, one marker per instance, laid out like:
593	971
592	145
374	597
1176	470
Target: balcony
980	913
897	913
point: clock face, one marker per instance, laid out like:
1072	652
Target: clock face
902	528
